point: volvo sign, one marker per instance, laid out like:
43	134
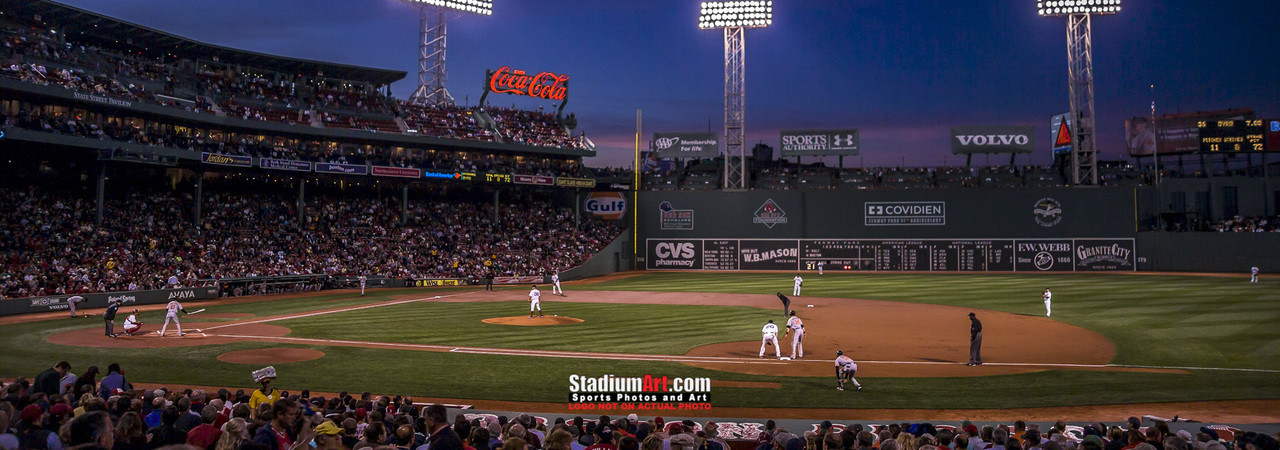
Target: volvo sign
992	139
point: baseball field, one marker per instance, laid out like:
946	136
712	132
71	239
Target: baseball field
1113	339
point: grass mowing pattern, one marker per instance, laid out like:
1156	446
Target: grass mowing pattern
1157	320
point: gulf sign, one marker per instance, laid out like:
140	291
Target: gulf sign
607	205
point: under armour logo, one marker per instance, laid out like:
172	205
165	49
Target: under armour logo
842	140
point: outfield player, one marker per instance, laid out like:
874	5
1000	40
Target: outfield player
1252	271
555	280
72	301
1048	302
819	267
171	313
845	368
363	281
795	326
796	291
770	336
534	296
131	323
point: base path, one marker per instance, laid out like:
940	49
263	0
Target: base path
527	321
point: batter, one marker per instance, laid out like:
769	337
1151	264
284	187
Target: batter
534	296
845	368
171	313
770	336
795	326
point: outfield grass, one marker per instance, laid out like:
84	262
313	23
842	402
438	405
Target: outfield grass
1154	320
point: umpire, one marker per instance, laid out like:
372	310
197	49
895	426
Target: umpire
109	316
975	341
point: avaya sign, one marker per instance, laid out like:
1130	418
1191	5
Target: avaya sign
546	85
992	139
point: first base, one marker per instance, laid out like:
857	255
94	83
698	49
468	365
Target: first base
784	358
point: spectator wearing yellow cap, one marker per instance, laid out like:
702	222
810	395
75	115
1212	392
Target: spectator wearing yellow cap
328	436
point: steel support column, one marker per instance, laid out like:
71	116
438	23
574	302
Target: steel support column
735	173
432	33
1084	153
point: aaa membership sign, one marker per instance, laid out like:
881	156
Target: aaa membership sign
643	393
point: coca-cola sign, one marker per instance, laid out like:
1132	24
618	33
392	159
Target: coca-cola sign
547	85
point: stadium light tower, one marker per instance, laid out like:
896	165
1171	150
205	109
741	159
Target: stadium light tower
734	17
1084	153
432	33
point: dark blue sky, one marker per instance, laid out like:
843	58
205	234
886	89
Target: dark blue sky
902	72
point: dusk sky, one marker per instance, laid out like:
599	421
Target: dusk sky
903	72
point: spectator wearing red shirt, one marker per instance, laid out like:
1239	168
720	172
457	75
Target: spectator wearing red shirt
206	434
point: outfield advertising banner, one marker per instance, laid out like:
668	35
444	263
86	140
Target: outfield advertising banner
587	183
538	180
942	255
346	169
401	172
1062	132
992	139
607	205
226	160
820	142
686	145
284	164
99	300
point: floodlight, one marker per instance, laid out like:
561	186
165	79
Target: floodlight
734	14
1069	7
483	7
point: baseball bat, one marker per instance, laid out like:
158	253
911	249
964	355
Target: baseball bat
198	311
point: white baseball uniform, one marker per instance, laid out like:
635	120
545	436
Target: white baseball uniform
171	313
363	280
1048	297
847	368
73	300
796	290
819	267
534	296
797	339
555	281
770	334
131	324
1252	271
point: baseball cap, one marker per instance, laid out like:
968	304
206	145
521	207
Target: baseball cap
32	413
1096	440
658	421
1032	434
60	409
972	315
839	352
327	427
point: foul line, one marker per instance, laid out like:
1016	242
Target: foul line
334	311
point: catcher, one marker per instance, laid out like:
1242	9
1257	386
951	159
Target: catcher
131	323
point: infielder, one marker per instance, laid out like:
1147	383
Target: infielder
534	296
796	291
1048	303
172	314
1252	271
845	368
363	281
795	326
72	301
555	280
131	323
770	336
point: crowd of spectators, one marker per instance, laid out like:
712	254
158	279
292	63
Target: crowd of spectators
147	239
58	409
1251	224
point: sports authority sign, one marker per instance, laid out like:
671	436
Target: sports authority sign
904	213
820	142
607	205
544	85
992	139
685	145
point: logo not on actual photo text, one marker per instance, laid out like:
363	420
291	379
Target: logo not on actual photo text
646	392
769	214
1047	212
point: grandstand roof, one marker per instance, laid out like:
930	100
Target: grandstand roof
116	31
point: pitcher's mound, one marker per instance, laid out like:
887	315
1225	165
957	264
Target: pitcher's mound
525	321
271	355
